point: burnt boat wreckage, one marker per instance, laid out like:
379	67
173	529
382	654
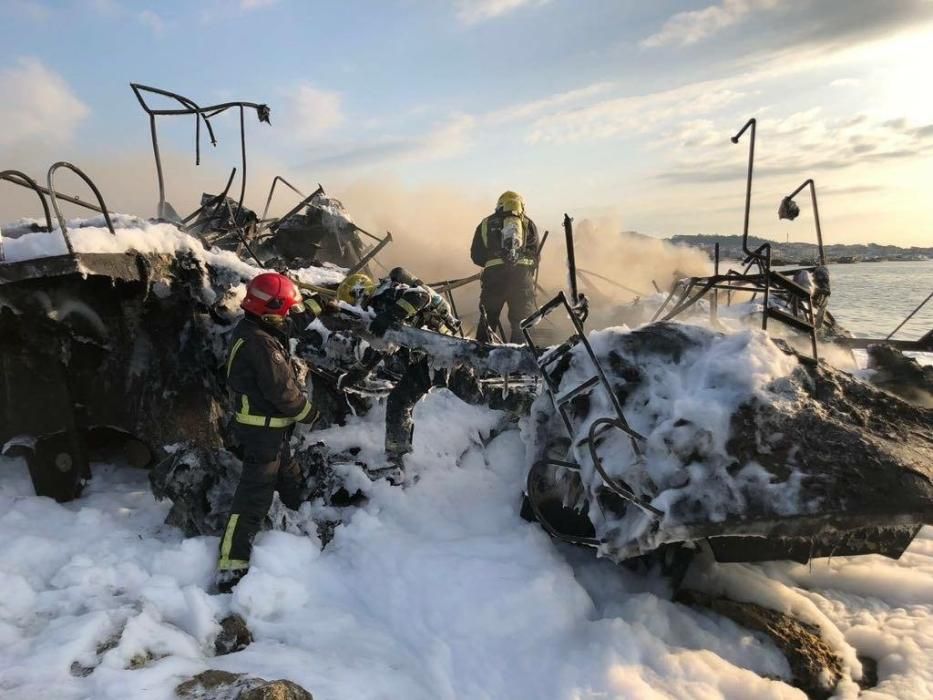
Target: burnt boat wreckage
123	351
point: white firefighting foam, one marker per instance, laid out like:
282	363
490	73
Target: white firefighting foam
436	591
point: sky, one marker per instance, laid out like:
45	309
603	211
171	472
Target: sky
615	110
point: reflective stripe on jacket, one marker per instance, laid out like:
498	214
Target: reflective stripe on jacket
261	380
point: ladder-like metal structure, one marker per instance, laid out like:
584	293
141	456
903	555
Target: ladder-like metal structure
547	361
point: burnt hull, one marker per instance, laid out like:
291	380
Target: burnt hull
90	355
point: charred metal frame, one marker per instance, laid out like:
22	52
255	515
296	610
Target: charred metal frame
798	308
277	179
786	211
54	197
23	180
546	359
205	114
269	226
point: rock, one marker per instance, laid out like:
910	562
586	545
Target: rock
901	375
223	685
869	677
143	659
277	690
213	685
234	635
816	670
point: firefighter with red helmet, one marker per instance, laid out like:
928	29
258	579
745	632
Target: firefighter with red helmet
267	402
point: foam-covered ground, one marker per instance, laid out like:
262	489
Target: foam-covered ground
437	591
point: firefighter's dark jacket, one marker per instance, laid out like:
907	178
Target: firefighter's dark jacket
413	302
486	250
261	380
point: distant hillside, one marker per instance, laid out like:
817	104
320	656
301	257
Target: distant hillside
730	247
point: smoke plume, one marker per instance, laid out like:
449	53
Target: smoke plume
433	226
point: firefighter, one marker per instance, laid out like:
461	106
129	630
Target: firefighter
505	245
267	401
399	298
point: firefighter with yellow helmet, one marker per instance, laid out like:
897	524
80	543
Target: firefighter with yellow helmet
398	298
505	245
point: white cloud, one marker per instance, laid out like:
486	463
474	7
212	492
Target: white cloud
686	28
311	112
845	82
35	11
447	140
800	144
635	114
528	110
37	105
151	20
475	11
255	4
444	139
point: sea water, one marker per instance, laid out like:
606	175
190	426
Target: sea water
871	299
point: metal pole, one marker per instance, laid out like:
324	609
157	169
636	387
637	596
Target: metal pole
714	303
239	204
909	316
767	288
571	259
748	188
158	160
816	216
370	255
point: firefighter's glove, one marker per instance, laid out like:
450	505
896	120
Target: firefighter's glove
379	325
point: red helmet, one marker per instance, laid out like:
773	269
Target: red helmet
271	294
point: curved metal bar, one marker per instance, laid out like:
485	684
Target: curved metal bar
751	123
816	214
205	113
531	492
192	108
619	488
23	180
58	212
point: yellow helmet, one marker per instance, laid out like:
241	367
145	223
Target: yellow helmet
355	287
511	201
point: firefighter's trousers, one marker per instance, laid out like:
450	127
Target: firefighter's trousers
267	468
507	284
414	384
